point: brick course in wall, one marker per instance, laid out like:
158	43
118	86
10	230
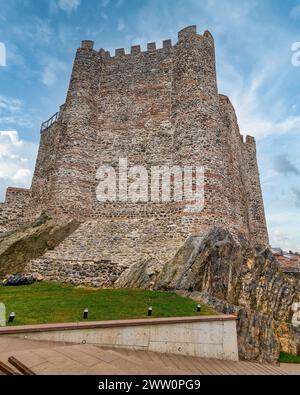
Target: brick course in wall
154	107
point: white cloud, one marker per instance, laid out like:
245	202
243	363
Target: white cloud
22	175
12	113
9	140
121	25
259	126
283	230
68	5
10	104
2	54
17	158
252	69
280	239
52	69
119	3
33	31
295	13
105	3
258	96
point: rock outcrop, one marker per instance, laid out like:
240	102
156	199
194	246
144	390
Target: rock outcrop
17	248
233	277
233	271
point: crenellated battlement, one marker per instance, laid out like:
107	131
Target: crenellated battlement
134	49
151	48
185	34
250	140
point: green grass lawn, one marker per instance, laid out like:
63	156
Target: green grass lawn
288	358
52	302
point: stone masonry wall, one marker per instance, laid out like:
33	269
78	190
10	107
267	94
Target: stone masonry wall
155	107
16	210
158	107
99	252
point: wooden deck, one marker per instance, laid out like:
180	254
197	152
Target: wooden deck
46	358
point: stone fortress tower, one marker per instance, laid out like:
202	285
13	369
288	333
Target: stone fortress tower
157	107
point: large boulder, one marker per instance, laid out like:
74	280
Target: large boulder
234	271
18	247
232	276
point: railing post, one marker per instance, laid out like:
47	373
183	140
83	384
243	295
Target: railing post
45	125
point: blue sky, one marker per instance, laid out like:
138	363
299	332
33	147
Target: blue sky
253	47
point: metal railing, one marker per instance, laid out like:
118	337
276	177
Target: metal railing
45	125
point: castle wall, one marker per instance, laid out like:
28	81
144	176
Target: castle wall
16	209
134	105
257	219
46	166
99	252
197	124
242	188
73	172
154	108
235	191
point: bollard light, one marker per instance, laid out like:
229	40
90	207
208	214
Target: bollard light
149	311
198	308
85	313
11	316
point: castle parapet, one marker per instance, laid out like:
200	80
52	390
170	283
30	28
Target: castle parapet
87	44
151	47
184	34
167	44
187	32
250	140
119	52
135	49
208	35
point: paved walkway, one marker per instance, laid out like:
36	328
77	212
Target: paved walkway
48	358
291	368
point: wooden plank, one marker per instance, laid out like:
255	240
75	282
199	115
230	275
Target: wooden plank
168	361
228	368
239	367
142	355
155	357
183	363
269	369
7	370
217	370
208	365
191	366
202	369
172	361
251	368
218	365
20	366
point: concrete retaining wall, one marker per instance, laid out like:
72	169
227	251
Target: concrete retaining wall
208	337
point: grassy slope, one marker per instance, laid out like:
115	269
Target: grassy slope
52	302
